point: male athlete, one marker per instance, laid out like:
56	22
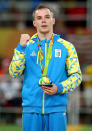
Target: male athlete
51	70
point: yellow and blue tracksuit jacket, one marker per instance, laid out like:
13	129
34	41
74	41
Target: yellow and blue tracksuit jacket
63	69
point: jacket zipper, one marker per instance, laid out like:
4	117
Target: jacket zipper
43	103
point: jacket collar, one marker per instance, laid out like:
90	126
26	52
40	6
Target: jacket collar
36	39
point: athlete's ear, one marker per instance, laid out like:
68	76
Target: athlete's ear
53	21
34	23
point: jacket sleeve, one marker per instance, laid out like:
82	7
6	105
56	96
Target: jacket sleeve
17	64
73	71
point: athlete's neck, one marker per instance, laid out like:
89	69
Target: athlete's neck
45	36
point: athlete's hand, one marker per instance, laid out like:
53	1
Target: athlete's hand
50	90
24	39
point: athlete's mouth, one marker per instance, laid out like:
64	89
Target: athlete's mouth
44	26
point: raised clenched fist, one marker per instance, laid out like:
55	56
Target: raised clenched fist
24	39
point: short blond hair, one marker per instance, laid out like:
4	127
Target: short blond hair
41	6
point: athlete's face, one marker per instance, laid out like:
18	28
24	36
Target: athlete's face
43	20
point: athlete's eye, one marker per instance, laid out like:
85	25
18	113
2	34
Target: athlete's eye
47	16
39	17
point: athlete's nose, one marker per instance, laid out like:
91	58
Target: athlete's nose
43	20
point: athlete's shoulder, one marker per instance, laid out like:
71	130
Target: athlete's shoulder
66	43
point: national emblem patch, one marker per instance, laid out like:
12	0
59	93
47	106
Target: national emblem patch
57	52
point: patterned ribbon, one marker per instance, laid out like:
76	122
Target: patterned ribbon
48	56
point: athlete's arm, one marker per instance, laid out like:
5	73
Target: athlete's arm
73	72
17	64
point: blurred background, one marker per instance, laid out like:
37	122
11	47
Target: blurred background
73	23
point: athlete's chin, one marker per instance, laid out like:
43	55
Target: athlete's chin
44	31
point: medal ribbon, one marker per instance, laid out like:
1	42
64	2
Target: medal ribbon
48	56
